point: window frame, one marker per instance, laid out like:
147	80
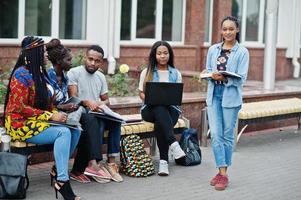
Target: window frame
208	43
259	43
54	26
158	26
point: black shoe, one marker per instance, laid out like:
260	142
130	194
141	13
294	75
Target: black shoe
65	189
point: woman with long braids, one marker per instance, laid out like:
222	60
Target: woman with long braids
161	69
224	95
28	107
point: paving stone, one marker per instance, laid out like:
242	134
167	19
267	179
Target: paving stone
264	167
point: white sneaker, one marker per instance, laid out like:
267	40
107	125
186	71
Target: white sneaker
163	168
176	150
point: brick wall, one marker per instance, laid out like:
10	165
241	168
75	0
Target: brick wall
189	57
185	59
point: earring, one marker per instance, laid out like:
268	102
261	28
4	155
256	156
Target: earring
25	60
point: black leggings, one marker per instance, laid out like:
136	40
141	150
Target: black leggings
164	118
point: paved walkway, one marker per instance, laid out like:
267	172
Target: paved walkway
266	166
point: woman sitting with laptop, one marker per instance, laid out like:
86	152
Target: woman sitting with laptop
161	69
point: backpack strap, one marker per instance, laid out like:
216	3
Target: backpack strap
27	181
2	185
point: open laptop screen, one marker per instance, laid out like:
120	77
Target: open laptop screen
163	93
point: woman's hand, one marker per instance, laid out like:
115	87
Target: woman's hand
218	76
70	107
59	117
142	95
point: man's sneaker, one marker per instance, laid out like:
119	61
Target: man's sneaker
79	177
222	183
100	180
176	150
90	171
215	179
163	168
114	171
102	167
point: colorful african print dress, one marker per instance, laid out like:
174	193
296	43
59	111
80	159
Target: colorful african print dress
22	120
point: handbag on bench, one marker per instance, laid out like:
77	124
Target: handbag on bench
13	176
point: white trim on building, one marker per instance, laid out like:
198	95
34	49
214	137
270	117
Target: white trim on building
158	25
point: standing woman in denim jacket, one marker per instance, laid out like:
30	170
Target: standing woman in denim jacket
161	69
224	95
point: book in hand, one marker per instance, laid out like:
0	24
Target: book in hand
109	114
205	75
74	100
230	74
225	73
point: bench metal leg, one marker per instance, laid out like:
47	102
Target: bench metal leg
299	123
241	131
153	146
204	127
235	136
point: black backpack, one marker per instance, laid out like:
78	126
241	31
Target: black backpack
13	176
190	144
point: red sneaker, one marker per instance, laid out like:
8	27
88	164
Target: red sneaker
90	171
222	183
215	179
82	178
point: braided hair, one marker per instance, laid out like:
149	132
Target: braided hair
32	58
235	20
56	51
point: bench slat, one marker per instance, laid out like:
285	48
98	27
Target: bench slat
270	108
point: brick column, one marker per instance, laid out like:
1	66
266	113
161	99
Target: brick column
221	9
194	27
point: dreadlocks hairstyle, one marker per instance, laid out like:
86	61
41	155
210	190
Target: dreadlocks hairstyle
32	57
56	51
235	20
152	61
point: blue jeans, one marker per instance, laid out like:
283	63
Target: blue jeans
222	123
64	140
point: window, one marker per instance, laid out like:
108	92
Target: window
64	19
172	16
38	17
9	18
126	19
146	19
208	21
251	15
72	19
152	20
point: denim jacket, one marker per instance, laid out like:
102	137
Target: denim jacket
173	74
239	63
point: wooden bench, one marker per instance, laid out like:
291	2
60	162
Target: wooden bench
142	128
256	112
